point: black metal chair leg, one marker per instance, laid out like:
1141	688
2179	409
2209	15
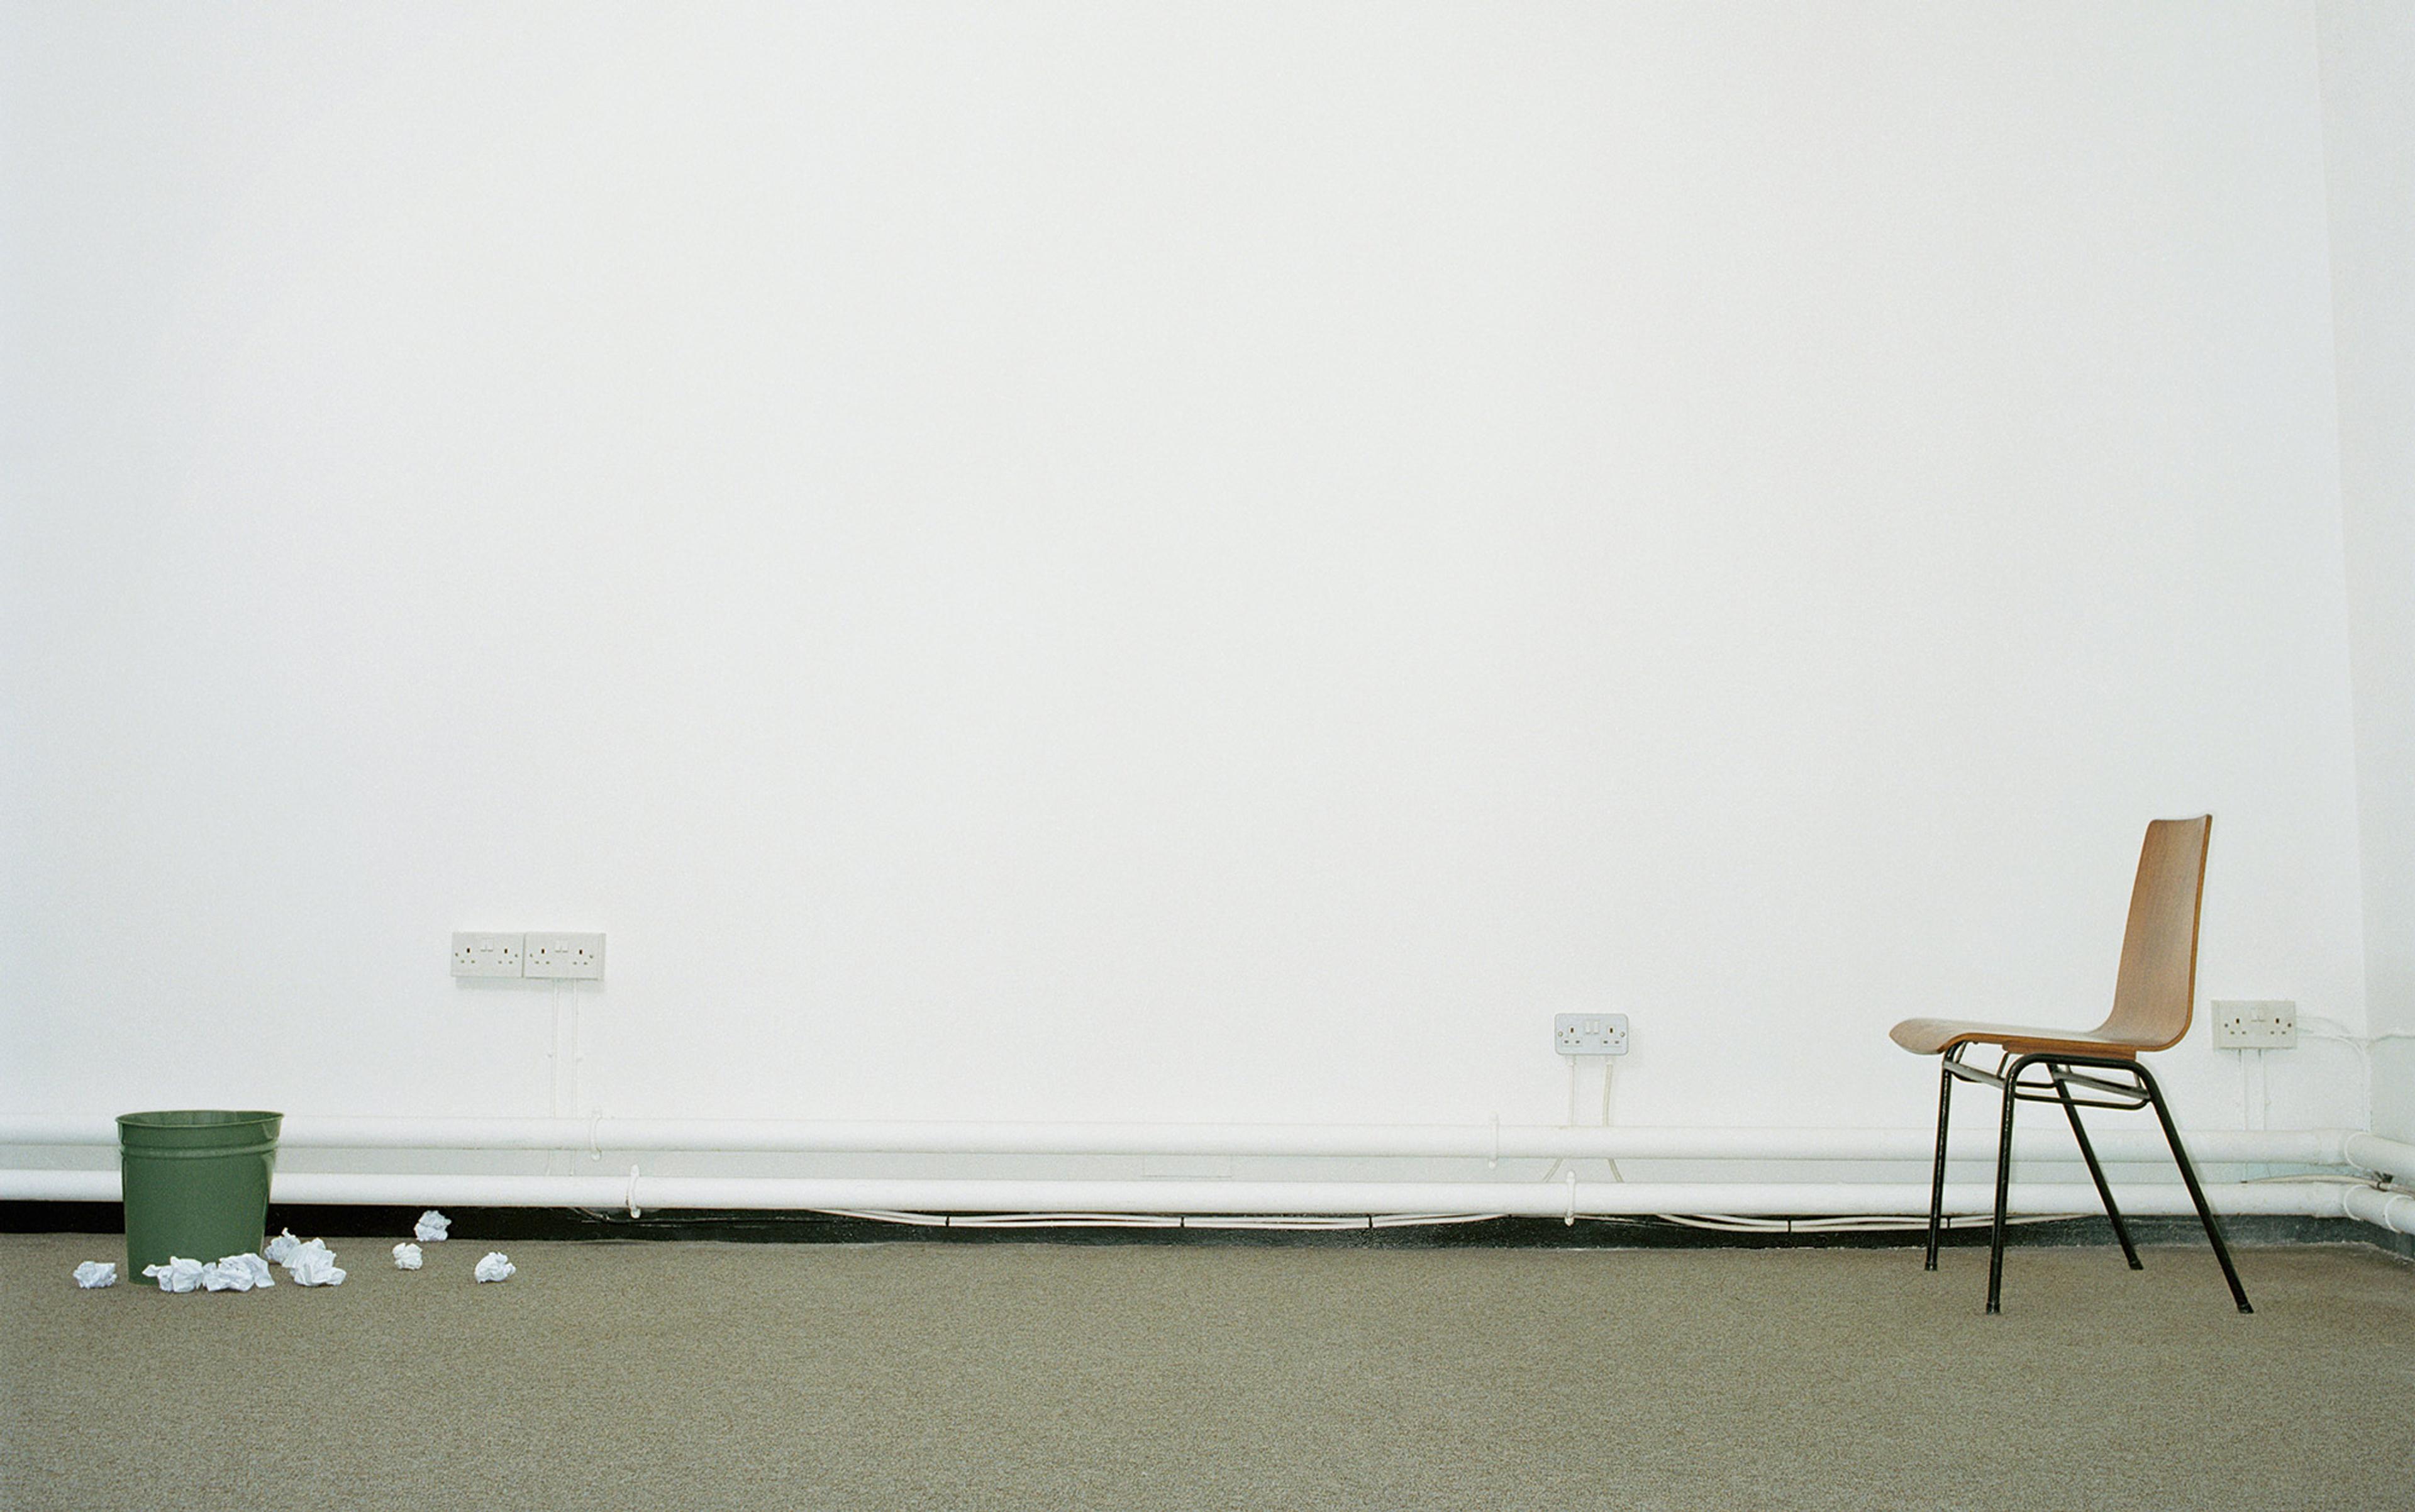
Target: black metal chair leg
2196	1193
2003	1189
2095	1172
1937	1171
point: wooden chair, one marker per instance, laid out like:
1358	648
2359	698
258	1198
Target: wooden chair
2153	999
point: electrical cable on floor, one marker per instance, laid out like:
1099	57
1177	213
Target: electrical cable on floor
1063	1220
1308	1223
1325	1223
1312	1222
1401	1221
1848	1223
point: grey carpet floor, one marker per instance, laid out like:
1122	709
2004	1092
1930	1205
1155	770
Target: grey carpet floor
1063	1376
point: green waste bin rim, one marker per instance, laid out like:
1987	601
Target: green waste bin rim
196	1133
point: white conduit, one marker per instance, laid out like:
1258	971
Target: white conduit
2371	1152
1466	1141
2318	1147
2388	1209
1544	1199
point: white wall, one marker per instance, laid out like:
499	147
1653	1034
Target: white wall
1102	561
2369	73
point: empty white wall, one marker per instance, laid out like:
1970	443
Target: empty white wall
2368	71
1097	561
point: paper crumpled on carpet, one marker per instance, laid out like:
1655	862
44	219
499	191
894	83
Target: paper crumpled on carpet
281	1248
406	1256
177	1275
431	1227
236	1273
94	1273
495	1266
313	1265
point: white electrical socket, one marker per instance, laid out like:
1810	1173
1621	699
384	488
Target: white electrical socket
1589	1034
2263	1024
578	957
487	955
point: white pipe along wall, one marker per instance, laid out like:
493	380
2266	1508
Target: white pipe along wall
1559	1198
1567	1196
1478	1140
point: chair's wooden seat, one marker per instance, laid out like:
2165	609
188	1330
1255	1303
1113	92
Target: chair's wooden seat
1930	1037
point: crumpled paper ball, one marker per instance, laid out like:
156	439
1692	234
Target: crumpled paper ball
495	1266
406	1256
96	1273
431	1227
236	1273
314	1264
177	1275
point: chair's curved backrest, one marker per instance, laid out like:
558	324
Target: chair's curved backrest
2156	991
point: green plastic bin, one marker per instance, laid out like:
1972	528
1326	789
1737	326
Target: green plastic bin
196	1183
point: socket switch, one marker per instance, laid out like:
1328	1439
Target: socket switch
2259	1025
1589	1034
485	955
578	957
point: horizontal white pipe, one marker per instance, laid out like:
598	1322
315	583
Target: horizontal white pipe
1528	1198
2371	1152
2390	1209
1461	1141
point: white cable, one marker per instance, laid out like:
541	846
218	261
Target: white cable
1306	1221
1730	1223
634	1211
1064	1221
1309	1223
2362	1052
578	1050
2341	1035
1615	1174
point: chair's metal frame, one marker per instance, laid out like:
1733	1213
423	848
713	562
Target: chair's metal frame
2061	1078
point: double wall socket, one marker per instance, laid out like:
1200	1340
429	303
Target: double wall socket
487	955
575	957
2263	1024
1589	1034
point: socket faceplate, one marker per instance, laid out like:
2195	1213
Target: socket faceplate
1589	1034
2259	1024
578	957
485	955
